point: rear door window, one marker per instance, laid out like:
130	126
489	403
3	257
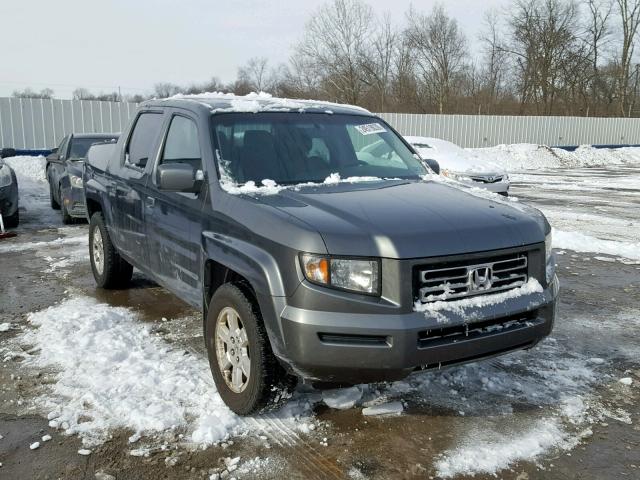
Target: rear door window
143	139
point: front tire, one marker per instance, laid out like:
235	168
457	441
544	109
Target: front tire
110	270
246	373
52	199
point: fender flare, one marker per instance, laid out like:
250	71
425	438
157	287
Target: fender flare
246	259
261	270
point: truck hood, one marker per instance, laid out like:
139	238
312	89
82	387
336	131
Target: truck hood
409	219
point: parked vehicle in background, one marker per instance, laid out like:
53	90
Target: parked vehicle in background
462	165
64	172
8	191
310	256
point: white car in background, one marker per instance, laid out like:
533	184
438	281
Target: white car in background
462	165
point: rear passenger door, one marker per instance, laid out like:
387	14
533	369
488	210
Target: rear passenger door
129	193
174	220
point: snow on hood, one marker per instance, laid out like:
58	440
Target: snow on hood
452	157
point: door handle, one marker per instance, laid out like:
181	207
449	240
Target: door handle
150	202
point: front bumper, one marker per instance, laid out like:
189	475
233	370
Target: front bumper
74	202
360	348
9	200
496	187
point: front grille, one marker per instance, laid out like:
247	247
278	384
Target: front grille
458	279
483	179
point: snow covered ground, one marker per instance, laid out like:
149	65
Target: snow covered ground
112	371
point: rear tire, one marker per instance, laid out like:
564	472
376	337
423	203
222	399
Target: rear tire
267	385
110	270
13	221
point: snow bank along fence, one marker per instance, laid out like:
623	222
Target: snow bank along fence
40	124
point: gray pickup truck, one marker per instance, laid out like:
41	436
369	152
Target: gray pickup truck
309	256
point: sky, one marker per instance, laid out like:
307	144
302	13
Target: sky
134	44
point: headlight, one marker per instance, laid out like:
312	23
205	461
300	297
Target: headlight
351	274
76	182
547	246
5	176
460	177
550	264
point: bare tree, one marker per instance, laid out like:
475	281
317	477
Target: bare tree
441	51
597	33
255	74
336	39
377	61
544	43
165	90
45	93
494	61
629	11
81	93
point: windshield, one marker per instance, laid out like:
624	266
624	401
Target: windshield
80	146
291	148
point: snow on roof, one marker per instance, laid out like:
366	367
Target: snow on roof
255	102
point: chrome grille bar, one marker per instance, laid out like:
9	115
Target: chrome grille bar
459	281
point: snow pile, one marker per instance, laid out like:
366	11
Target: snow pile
342	398
489	452
113	373
580	242
391	408
16	246
31	168
534	157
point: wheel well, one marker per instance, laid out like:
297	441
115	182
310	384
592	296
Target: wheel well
92	207
216	275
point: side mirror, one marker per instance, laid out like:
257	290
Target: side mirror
179	177
433	165
7	152
54	150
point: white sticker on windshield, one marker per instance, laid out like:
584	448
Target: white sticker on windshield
370	128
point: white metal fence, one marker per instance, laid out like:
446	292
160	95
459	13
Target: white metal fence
33	123
41	124
490	130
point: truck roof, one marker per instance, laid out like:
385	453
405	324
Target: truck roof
255	102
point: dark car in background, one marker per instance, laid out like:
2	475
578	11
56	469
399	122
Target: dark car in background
64	172
8	191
